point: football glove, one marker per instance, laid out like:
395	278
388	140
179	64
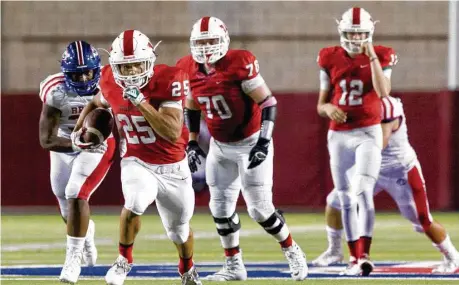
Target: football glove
258	153
194	151
133	94
78	145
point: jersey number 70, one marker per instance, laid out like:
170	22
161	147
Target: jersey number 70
219	104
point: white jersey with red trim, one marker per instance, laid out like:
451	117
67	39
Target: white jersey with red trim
399	154
54	93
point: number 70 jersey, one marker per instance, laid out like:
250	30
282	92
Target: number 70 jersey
167	88
351	84
230	114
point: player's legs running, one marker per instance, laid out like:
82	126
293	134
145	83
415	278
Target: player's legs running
409	192
223	179
88	171
61	168
257	191
175	203
140	188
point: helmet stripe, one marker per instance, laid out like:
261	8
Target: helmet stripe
78	52
128	43
355	16
81	56
205	24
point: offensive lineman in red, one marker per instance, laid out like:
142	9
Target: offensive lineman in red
357	74
146	101
240	112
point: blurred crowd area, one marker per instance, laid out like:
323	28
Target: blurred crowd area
285	36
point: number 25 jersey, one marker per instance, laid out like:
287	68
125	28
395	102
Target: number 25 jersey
167	88
230	114
351	85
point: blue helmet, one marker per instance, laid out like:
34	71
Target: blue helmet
80	64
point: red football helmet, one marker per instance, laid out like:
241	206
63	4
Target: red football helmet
132	46
209	28
355	20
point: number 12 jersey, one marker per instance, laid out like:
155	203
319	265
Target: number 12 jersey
351	85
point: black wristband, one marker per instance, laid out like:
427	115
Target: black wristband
192	120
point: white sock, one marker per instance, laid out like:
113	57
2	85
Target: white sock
334	239
231	240
282	234
75	243
447	248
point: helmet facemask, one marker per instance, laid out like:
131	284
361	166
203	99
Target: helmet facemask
83	82
208	52
354	46
139	79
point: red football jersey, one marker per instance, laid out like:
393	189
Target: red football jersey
140	140
351	85
231	115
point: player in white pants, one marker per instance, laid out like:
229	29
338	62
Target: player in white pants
401	176
240	113
76	170
353	78
147	105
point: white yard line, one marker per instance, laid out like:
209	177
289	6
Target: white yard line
197	235
436	277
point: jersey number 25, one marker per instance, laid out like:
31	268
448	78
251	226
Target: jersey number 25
135	126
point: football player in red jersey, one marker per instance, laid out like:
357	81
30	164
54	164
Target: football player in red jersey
240	112
146	101
356	74
401	177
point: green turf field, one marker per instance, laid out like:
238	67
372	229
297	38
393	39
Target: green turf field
40	239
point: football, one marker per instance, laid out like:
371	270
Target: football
97	126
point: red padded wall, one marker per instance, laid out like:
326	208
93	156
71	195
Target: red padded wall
301	172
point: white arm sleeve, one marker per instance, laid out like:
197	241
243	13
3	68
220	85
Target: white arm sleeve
324	80
252	84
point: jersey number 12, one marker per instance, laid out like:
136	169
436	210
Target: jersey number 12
351	96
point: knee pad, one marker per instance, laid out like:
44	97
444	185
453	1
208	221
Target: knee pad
273	225
261	212
366	201
179	234
362	183
221	204
347	199
226	226
333	200
72	190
